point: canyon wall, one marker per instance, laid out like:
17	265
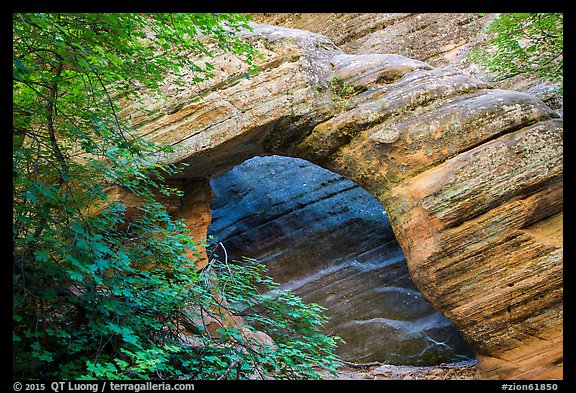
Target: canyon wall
470	175
440	39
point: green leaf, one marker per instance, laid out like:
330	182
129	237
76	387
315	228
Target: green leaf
102	264
42	255
75	276
30	195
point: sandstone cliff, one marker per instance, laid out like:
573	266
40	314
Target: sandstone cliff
470	175
440	39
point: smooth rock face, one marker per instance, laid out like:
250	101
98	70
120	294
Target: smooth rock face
330	242
471	177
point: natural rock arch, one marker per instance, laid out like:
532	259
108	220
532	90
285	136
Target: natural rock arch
471	176
330	242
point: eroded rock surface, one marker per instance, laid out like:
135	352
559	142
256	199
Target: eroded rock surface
439	39
330	242
470	176
465	370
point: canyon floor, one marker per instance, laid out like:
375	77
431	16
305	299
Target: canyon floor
461	370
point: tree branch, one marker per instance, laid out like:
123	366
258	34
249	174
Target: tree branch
50	118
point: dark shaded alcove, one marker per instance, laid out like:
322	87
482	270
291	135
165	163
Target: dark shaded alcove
330	242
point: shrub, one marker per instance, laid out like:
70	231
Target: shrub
113	295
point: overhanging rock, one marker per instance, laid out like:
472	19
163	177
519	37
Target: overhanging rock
471	177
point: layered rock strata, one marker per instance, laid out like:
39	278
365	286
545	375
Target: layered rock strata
440	39
470	176
330	242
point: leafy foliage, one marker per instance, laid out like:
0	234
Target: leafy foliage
113	295
530	44
299	346
342	91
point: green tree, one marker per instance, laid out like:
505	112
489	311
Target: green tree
525	44
109	295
